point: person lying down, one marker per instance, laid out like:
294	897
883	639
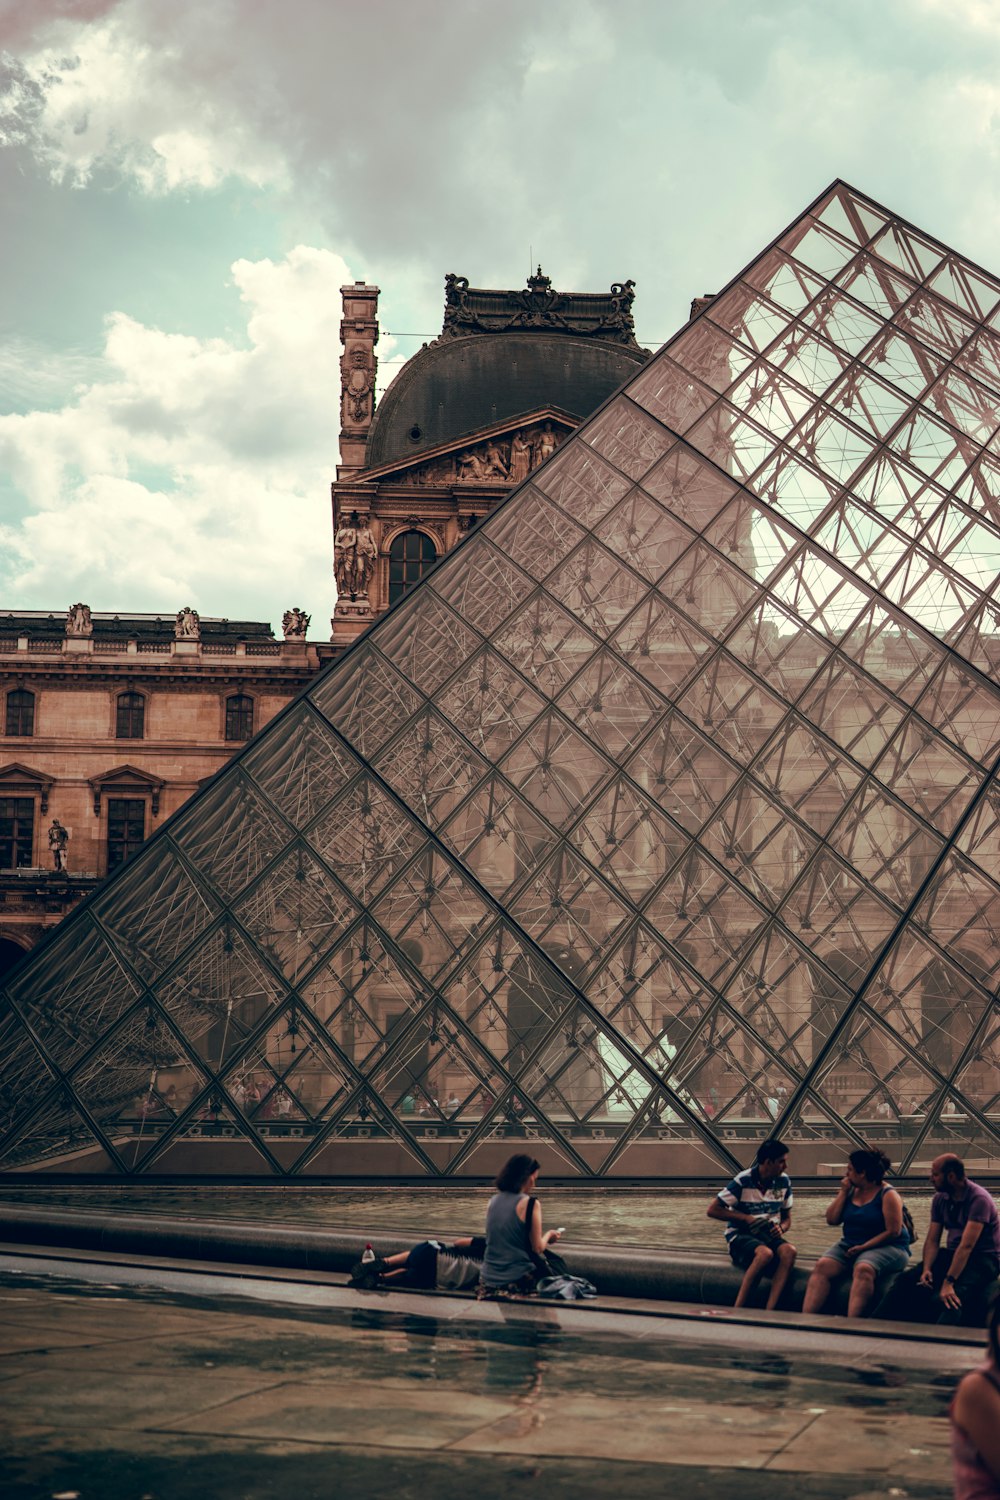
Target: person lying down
430	1265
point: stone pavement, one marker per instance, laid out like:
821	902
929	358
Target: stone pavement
120	1381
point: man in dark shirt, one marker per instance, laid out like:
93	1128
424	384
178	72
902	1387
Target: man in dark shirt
961	1273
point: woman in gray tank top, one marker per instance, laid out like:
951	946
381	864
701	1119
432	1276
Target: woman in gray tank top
514	1245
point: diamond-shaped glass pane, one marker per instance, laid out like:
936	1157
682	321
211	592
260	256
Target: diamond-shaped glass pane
230	834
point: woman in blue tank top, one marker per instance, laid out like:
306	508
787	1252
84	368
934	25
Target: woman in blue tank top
514	1244
873	1237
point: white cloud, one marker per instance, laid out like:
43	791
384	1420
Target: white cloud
193	470
103	96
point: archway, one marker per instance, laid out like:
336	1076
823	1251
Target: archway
10	954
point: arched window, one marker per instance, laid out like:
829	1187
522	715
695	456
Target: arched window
239	717
10	954
20	712
410	555
130	716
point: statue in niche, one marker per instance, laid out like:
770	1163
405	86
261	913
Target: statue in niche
545	444
187	626
78	621
354	555
345	545
520	457
366	555
295	623
494	463
58	846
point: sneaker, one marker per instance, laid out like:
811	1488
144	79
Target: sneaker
365	1274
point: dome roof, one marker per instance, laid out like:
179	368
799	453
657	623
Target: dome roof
455	388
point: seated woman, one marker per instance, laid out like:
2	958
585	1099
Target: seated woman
873	1238
514	1240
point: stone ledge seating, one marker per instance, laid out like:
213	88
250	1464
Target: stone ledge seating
657	1275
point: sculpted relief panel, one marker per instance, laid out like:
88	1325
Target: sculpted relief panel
501	460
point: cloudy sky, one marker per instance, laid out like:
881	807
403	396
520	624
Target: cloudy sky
186	185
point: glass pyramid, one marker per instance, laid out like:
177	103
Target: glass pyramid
661	815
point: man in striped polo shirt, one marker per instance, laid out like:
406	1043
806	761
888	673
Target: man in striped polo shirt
756	1208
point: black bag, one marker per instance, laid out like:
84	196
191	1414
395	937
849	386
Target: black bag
909	1225
555	1265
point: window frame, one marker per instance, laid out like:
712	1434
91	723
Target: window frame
30	802
16	714
138	705
247	711
131	845
423	563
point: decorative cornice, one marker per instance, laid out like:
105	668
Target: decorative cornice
538	307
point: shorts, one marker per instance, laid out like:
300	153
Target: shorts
882	1258
421	1265
743	1248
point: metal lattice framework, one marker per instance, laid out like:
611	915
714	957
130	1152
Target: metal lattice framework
664	812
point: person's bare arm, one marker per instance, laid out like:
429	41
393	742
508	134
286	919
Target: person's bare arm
540	1242
932	1245
959	1261
835	1211
977	1412
726	1215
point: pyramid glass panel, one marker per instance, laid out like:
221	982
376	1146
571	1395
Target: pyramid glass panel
662	813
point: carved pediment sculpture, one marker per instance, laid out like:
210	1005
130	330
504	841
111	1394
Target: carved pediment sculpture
507	458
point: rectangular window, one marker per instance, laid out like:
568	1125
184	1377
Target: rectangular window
130	716
126	828
17	824
239	717
20	716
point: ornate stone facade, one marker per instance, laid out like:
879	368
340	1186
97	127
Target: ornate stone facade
469	418
108	724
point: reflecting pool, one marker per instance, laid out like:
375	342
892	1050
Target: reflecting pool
666	1220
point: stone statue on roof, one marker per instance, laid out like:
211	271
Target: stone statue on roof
187	626
78	621
295	623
